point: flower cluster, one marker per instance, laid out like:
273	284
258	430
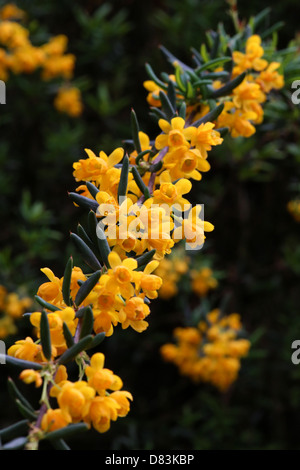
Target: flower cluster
96	401
12	307
18	55
210	352
243	109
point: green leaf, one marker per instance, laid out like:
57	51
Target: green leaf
66	432
172	94
15	393
67	282
86	287
15	444
68	335
103	246
167	105
60	444
84	236
260	17
135	132
182	110
122	189
13	361
92	189
209	117
84	202
15	429
145	258
87	323
26	412
76	349
213	64
140	183
153	77
227	89
97	340
45	335
87	254
45	304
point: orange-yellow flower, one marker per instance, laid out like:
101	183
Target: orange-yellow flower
100	378
54	420
29	376
174	133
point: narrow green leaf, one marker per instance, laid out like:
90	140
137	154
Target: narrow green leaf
15	393
86	287
13	361
67	282
173	59
103	246
145	258
60	444
260	17
45	335
135	131
140	183
68	335
84	236
84	202
215	47
26	412
93	190
213	64
272	29
227	89
87	254
66	432
142	154
97	340
122	189
209	117
87	323
167	105
182	110
76	349
15	444
153	77
45	304
172	94
14	430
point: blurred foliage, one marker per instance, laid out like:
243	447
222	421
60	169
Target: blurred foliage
245	195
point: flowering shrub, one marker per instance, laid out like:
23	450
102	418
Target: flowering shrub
137	200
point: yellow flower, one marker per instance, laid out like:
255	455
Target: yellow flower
73	399
174	133
94	168
134	312
122	397
252	58
26	349
58	66
29	376
203	281
56	320
99	378
270	78
203	137
103	410
11	11
68	100
53	420
120	275
171	194
182	162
